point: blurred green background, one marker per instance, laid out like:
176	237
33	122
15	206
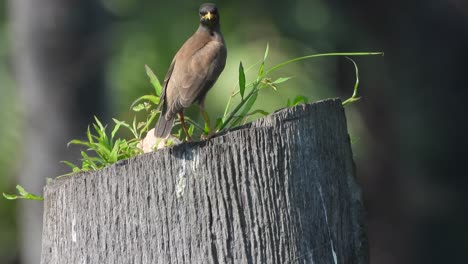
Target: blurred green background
61	62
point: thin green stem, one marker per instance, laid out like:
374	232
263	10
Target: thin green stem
228	105
239	106
233	94
148	123
354	97
191	121
320	55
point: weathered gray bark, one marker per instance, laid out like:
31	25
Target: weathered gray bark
279	190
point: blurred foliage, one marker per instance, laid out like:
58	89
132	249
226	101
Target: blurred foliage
10	121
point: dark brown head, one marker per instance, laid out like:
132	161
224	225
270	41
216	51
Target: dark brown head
209	15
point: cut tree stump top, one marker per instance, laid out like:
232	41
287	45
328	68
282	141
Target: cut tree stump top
281	189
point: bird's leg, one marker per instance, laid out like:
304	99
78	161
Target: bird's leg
184	127
207	122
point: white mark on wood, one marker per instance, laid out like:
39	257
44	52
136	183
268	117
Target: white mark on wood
73	229
195	161
335	259
189	164
180	188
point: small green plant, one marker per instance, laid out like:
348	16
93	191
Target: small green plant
300	99
232	118
108	150
23	194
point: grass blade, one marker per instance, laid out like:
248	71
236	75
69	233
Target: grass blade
23	195
241	80
154	80
152	98
281	80
354	97
300	99
276	67
265	56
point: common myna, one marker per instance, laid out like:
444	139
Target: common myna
193	71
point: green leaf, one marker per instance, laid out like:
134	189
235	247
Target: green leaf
281	80
116	127
262	66
354	97
10	196
241	80
23	195
258	111
152	98
248	105
191	129
300	99
179	133
31	196
219	123
252	66
119	123
113	155
21	190
78	142
27	195
89	136
139	107
265	56
260	71
140	125
101	127
69	164
87	159
133	128
154	80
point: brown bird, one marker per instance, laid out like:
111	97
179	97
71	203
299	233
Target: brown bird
193	71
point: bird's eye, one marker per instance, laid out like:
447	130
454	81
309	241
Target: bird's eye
202	13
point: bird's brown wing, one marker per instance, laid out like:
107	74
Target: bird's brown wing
200	72
165	122
196	70
164	86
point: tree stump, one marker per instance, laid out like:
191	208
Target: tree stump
281	189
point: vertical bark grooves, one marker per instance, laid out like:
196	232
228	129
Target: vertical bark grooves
279	190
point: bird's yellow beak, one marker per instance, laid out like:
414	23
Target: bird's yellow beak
208	16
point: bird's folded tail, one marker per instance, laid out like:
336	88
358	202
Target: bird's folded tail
163	127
